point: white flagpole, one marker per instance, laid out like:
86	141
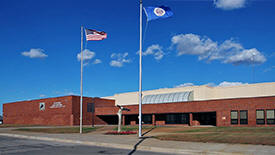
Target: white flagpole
140	72
81	82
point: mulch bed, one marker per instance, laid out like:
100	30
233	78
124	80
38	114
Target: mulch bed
120	133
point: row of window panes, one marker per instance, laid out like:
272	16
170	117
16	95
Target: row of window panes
260	117
270	116
243	117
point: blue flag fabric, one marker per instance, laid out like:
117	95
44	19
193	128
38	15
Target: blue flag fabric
153	13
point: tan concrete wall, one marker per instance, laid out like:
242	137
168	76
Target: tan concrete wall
205	92
249	90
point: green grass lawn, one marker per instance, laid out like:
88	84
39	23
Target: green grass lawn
231	129
58	130
15	125
133	128
243	135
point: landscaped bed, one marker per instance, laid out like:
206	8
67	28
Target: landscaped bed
242	135
121	133
134	128
59	130
127	130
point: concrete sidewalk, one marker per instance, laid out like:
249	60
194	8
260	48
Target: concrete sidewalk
146	144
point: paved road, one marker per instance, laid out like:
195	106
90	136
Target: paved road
11	146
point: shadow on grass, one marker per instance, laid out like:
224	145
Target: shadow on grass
148	131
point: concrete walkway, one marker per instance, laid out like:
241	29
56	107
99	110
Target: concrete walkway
145	144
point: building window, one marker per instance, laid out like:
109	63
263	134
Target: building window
243	117
260	119
147	119
270	116
234	117
90	107
180	118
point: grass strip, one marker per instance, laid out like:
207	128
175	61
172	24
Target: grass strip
229	129
58	130
15	125
240	135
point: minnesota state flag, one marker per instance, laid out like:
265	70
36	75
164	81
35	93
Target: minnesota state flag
153	13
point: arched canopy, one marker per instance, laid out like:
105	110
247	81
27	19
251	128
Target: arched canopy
168	98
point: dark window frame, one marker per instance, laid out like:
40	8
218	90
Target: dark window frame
177	118
234	121
270	121
244	121
147	119
260	121
90	107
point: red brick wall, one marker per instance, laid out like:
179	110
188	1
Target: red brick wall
222	108
28	112
88	116
106	103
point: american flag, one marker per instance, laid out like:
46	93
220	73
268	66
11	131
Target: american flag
95	35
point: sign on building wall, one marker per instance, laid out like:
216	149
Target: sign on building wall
42	106
57	105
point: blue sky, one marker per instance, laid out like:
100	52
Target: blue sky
205	42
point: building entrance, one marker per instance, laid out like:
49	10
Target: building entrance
205	118
109	119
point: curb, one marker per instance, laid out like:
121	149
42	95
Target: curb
121	146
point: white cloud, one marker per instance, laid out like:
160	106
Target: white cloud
251	56
229	4
35	53
192	44
97	61
228	84
211	84
66	92
154	50
70	93
222	84
184	85
87	55
227	48
42	95
229	51
119	59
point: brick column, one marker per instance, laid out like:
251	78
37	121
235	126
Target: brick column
72	120
265	119
221	119
153	119
191	119
123	120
